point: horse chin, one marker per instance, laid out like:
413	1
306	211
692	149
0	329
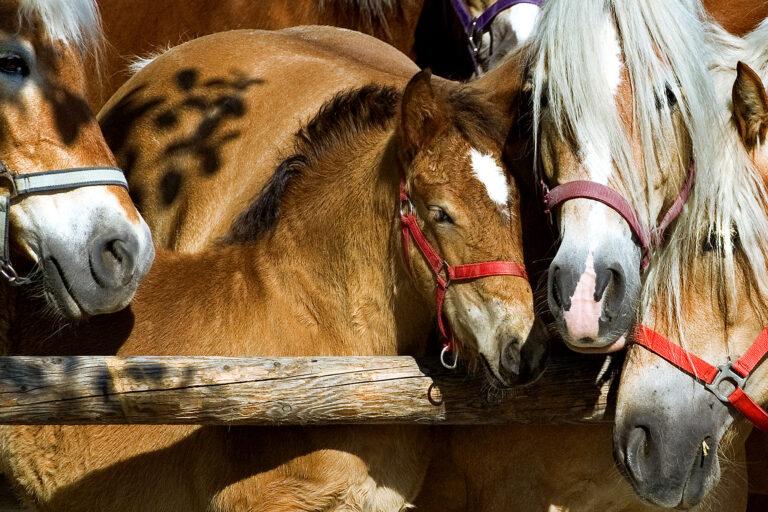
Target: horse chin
615	346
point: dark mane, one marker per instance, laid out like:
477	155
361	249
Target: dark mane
474	118
374	16
339	121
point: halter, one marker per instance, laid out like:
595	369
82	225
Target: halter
445	273
476	27
734	373
39	182
647	239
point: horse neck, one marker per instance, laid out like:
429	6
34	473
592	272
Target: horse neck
338	248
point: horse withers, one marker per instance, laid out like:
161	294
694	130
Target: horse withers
689	392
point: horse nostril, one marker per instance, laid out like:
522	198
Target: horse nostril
509	360
603	279
554	285
113	260
637	451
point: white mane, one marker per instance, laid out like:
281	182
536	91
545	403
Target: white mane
730	198
662	44
73	22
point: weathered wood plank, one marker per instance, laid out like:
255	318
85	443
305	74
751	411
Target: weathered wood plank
304	390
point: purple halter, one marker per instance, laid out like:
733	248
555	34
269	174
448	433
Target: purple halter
474	28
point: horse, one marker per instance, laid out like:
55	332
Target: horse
614	149
705	303
427	31
65	215
738	17
317	264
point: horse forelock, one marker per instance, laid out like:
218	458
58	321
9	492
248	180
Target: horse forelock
729	200
75	23
657	40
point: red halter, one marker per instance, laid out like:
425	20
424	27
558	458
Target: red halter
445	273
582	189
735	373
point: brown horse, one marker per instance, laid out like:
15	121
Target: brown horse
737	16
427	31
314	266
90	245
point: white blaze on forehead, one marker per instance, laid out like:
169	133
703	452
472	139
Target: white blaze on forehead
522	20
488	171
611	56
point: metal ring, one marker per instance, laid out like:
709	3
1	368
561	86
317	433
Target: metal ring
9	273
444	362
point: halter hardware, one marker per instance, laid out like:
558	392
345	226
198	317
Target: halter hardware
736	373
725	373
584	189
21	185
475	26
444	273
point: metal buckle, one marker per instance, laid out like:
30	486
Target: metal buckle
5	175
443	275
472	37
447	349
406	206
9	274
725	373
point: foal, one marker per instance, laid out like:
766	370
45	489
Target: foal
314	266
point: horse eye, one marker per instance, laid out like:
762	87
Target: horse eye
439	215
13	65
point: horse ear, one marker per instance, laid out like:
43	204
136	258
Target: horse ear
750	106
421	114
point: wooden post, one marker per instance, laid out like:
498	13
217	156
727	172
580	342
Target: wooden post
281	391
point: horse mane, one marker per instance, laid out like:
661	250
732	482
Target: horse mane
371	14
658	40
340	122
729	200
76	23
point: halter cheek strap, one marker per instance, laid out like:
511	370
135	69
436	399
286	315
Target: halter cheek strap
734	373
647	239
445	273
40	182
475	27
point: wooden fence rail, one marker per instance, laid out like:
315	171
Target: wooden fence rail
282	391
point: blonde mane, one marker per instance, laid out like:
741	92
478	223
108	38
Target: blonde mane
662	44
73	22
729	198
